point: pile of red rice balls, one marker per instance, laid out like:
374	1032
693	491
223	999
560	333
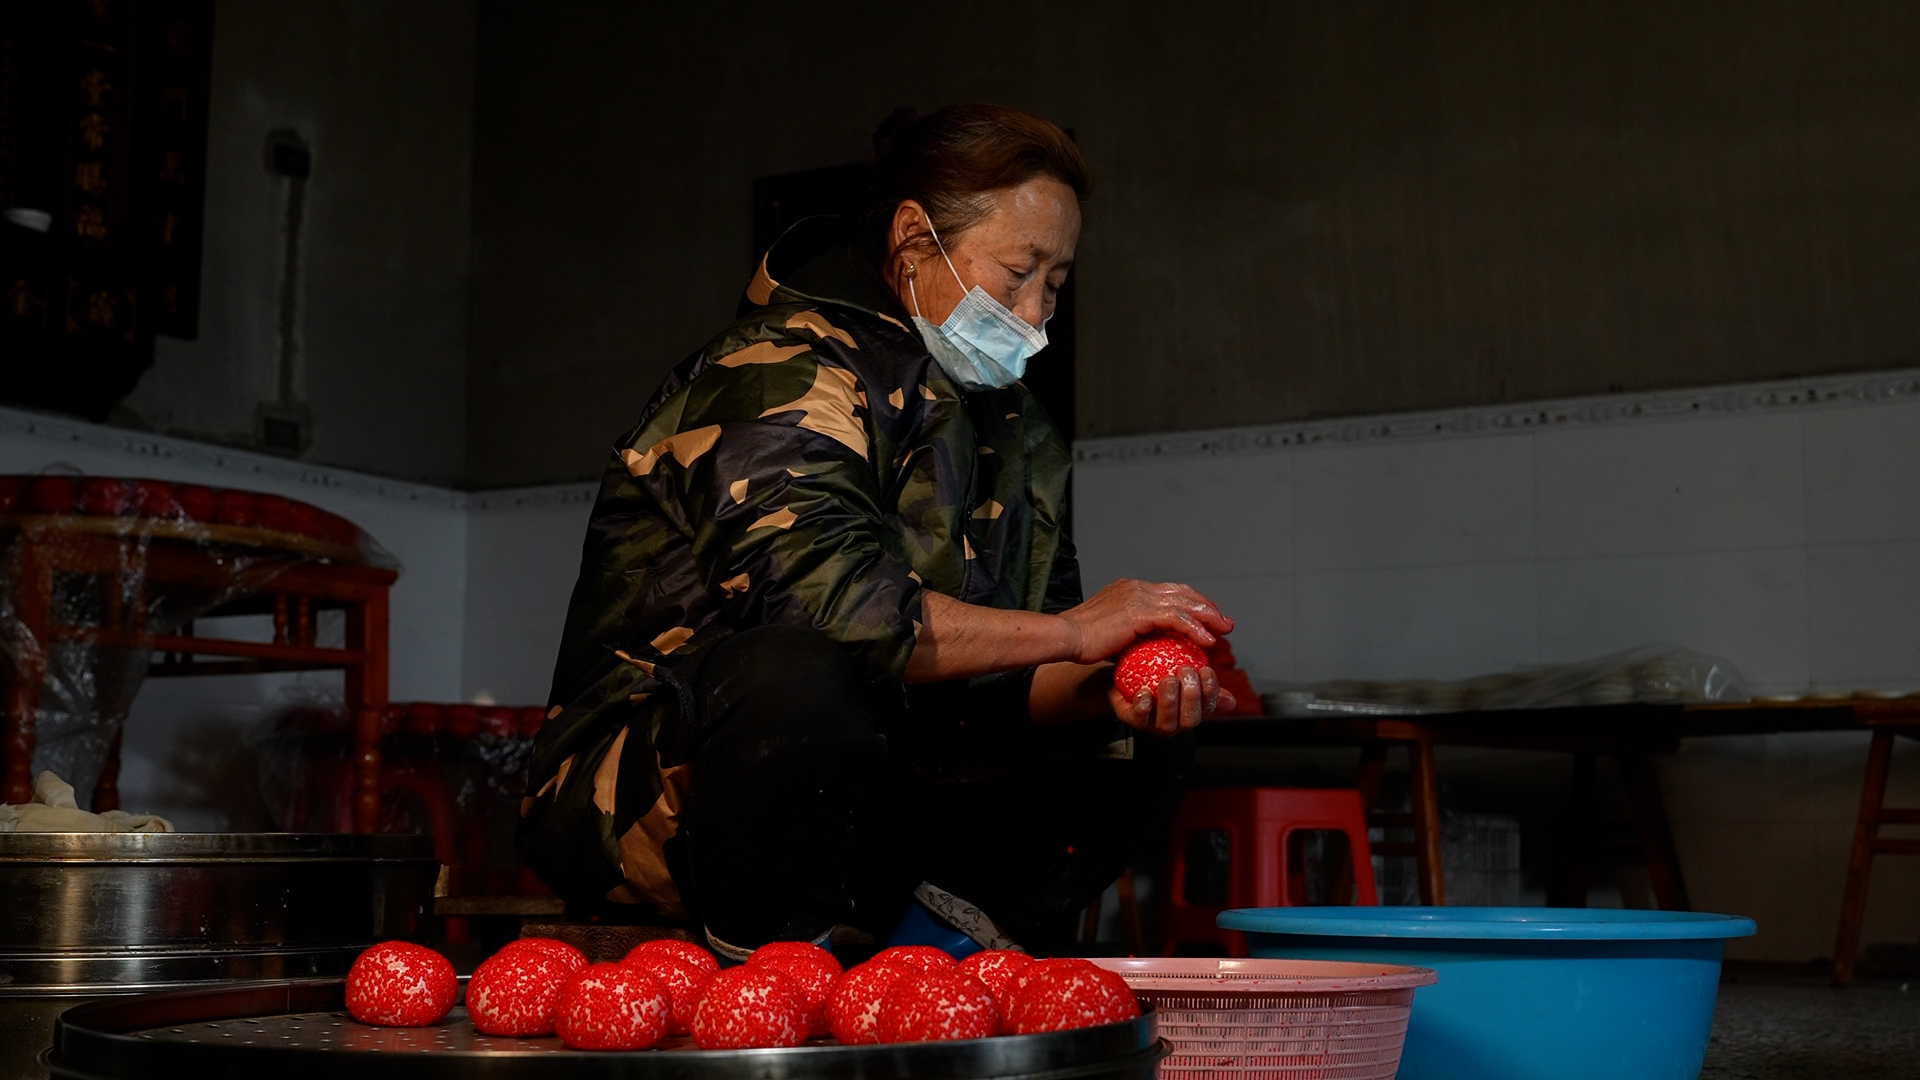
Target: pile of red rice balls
786	993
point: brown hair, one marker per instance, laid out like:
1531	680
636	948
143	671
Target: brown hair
951	161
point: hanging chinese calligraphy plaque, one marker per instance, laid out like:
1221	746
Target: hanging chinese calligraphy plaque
103	134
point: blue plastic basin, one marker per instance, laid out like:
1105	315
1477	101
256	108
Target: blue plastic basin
1529	993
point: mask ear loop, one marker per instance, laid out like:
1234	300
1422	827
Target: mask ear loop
945	256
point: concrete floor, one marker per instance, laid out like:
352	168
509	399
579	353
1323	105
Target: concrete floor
1785	1026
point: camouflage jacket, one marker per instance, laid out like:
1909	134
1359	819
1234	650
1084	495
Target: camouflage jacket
811	465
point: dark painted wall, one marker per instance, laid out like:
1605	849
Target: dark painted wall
383	95
1303	209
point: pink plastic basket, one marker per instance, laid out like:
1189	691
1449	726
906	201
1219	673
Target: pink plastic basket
1276	1019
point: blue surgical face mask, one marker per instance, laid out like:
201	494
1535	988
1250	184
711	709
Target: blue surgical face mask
982	345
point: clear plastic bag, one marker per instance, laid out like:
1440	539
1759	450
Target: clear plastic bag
1652	674
92	569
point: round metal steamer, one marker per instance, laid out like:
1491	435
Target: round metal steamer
92	914
296	1030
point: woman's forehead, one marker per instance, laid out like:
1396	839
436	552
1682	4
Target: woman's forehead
1040	217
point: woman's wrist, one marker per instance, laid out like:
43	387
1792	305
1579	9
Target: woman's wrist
1068	640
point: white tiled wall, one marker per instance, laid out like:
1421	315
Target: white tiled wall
1781	535
1784	537
1784	540
523	552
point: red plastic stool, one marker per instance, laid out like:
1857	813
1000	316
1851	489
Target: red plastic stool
1257	824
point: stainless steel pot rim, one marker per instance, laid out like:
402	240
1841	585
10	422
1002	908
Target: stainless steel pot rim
90	991
165	952
180	970
266	847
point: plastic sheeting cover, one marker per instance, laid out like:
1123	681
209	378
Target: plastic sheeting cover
90	544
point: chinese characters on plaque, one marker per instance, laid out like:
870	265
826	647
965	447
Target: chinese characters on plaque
103	110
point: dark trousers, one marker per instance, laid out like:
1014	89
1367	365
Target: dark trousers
820	799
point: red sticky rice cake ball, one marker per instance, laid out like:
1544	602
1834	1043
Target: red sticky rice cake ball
1052	963
1068	996
573	958
853	1002
684	950
515	991
812	969
997	968
1151	659
1038	967
612	1007
924	957
747	1007
684	983
806	949
400	984
938	1005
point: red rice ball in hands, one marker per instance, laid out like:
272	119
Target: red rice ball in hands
612	1007
747	1007
1152	659
400	984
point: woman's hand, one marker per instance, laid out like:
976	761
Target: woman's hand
1067	692
1126	610
1070	652
1178	704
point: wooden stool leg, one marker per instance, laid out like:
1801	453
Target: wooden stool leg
1426	821
1366	781
366	700
1656	833
1866	829
1580	810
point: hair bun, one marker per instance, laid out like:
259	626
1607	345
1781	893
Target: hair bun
888	133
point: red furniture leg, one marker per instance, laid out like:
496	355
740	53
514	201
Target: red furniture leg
1866	835
366	700
1425	784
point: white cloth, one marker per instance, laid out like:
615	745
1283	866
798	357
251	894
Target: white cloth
53	809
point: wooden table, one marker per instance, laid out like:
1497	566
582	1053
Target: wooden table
252	571
1632	733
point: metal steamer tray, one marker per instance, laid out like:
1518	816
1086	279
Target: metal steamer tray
298	1029
87	915
91	913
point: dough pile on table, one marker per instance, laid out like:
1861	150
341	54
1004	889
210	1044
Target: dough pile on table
53	809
